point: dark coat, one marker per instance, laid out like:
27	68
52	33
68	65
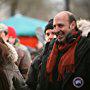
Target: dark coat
82	64
35	67
9	71
23	62
80	79
12	72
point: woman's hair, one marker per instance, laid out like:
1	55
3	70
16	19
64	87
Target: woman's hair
49	25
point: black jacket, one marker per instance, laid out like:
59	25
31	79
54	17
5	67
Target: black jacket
80	79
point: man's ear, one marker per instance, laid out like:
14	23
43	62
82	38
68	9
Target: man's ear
73	25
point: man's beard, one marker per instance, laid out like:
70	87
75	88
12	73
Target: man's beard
62	37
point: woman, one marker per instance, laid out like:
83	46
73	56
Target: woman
8	70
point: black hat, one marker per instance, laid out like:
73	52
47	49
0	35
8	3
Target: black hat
49	25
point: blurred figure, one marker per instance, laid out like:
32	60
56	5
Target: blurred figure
8	69
43	38
24	59
4	31
35	67
9	35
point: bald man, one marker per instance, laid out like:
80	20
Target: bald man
68	65
64	22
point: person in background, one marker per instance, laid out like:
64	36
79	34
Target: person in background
43	37
49	32
3	32
9	35
8	57
24	58
32	80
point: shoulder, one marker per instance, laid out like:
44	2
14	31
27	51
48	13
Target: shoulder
36	62
83	44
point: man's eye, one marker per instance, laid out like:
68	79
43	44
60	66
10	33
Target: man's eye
60	25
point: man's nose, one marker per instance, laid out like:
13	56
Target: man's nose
56	29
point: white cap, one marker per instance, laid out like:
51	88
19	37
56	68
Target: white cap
3	27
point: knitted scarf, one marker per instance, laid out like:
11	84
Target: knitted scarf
66	62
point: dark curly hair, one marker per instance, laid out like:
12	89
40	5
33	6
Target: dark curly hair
49	25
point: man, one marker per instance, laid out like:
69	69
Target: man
67	66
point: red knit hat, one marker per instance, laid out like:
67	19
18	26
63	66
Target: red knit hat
11	32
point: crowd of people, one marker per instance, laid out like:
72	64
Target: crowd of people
62	64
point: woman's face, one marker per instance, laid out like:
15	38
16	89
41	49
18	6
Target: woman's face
49	35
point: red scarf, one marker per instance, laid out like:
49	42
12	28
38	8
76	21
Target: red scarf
66	62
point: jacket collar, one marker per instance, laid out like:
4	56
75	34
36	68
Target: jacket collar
84	26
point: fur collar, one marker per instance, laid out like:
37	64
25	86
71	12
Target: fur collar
13	56
84	26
